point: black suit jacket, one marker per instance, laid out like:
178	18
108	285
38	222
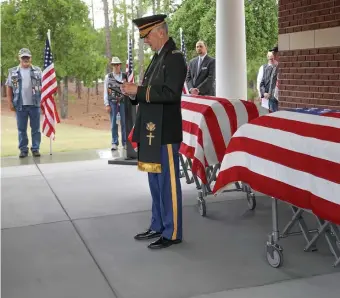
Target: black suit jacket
205	80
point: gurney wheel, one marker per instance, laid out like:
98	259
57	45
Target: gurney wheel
274	255
251	201
202	207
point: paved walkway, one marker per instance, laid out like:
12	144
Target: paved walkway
68	226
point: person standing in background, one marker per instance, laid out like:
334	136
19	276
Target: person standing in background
24	96
114	102
201	72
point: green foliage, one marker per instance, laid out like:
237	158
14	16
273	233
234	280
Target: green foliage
73	40
198	17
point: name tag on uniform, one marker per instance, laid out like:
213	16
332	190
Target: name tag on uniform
203	68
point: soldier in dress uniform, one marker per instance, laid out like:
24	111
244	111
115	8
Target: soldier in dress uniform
158	130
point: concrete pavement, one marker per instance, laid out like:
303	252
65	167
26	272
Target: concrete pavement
68	226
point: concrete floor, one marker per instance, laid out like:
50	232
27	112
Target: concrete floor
68	227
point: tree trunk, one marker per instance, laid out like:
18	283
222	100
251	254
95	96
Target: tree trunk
125	16
59	91
97	88
140	44
132	17
88	100
78	83
154	7
3	90
107	34
158	7
64	100
92	7
114	11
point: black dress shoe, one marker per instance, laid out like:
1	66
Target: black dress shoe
149	234
163	243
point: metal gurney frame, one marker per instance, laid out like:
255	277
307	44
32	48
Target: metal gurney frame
205	189
330	231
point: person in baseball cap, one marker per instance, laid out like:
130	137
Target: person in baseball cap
24	52
24	97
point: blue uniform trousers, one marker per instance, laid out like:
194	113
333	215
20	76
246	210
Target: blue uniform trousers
167	195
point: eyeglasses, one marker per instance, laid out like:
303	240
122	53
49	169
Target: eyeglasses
25	58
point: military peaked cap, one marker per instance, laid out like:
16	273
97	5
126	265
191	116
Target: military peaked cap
146	24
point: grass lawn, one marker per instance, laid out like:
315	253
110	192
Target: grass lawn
68	138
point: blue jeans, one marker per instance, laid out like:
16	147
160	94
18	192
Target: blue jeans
273	104
166	195
33	113
114	126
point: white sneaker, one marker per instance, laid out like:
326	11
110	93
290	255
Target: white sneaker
114	147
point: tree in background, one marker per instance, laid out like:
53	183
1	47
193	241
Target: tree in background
82	53
72	38
261	29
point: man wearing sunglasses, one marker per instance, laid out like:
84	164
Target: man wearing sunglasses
24	96
158	130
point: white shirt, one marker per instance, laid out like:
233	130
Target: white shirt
201	58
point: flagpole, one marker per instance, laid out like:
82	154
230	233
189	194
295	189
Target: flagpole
49	40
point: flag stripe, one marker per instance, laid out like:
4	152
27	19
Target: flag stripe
290	156
316	166
297	178
308	145
252	110
48	89
306	118
282	191
317	131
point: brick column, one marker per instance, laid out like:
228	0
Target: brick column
309	44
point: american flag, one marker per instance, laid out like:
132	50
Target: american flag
131	79
208	124
184	51
129	62
49	87
293	157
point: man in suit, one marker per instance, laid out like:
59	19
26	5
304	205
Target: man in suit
158	130
201	72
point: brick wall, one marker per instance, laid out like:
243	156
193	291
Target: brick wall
303	15
309	67
310	77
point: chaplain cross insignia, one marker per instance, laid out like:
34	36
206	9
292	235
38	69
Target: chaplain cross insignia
150	127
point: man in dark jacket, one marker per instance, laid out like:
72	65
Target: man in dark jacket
201	72
158	130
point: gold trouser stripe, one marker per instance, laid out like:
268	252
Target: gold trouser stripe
173	190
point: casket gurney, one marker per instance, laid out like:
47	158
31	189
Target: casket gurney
295	158
208	124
